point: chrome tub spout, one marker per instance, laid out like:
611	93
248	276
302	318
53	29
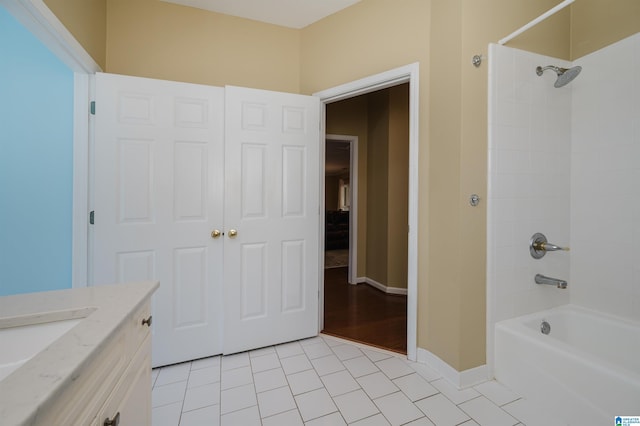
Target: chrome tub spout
541	279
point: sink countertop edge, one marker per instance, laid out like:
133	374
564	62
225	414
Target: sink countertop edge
33	386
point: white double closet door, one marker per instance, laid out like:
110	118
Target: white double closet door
173	163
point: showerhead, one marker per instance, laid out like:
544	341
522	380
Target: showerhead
565	75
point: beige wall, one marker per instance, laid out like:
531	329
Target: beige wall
452	289
150	38
439	315
398	181
377	182
154	39
370	37
550	37
599	23
454	292
87	21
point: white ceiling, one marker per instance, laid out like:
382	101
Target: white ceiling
288	13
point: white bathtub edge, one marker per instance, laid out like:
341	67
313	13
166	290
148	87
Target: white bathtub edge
460	379
576	385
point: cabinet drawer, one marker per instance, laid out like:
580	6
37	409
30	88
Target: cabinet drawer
131	398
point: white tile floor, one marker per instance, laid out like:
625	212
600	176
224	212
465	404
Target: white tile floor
325	381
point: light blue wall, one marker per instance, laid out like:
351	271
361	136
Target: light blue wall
36	163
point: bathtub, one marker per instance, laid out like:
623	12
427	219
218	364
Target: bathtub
584	372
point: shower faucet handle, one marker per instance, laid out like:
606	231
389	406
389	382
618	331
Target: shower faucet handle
550	247
539	246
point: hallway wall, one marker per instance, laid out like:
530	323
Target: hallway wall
349	117
381	121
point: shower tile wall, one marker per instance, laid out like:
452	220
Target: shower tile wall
565	162
529	181
605	180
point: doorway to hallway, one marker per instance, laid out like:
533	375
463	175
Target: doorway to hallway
374	309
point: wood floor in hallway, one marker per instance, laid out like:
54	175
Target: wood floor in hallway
363	313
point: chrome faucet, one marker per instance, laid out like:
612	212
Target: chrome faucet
541	279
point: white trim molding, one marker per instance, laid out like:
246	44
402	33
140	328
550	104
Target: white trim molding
42	23
389	290
405	74
80	221
460	379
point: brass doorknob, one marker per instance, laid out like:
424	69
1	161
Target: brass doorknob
232	233
215	233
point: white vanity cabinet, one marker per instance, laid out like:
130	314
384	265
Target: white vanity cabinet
97	373
129	402
116	387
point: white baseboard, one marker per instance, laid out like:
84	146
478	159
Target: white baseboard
384	288
460	379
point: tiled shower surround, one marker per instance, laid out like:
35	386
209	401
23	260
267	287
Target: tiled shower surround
605	181
564	162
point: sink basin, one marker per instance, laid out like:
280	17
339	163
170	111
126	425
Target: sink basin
23	342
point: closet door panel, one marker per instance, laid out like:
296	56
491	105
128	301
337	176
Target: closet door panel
157	194
272	202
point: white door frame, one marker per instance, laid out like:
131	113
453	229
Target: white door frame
353	206
406	74
36	17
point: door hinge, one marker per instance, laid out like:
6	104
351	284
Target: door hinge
92	217
93	107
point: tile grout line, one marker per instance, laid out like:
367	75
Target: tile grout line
334	350
184	397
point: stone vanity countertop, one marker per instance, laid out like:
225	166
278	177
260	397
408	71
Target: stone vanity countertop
36	383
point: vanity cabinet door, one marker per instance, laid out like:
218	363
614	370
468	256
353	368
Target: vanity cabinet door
131	399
